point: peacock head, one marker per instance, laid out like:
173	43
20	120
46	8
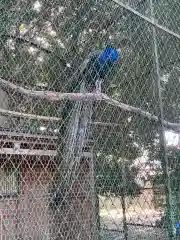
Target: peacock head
109	55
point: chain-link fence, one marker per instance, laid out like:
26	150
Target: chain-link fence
77	161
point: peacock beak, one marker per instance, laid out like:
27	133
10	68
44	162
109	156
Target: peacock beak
119	50
120	53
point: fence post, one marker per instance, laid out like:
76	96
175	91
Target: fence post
171	227
123	201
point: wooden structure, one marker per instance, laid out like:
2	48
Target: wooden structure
28	166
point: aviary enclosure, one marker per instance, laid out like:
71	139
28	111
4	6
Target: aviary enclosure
108	168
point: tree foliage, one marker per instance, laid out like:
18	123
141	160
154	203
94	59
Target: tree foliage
43	44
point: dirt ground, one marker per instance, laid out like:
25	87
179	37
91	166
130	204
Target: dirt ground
135	233
144	214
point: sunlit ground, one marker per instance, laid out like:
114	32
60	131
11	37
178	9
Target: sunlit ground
112	220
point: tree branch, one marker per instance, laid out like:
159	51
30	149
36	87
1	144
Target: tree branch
25	115
47	118
138	111
57	96
48	95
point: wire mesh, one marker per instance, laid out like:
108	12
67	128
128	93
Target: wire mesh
98	166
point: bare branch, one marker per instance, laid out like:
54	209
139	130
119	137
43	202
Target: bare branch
25	115
47	118
106	124
57	96
48	95
145	114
